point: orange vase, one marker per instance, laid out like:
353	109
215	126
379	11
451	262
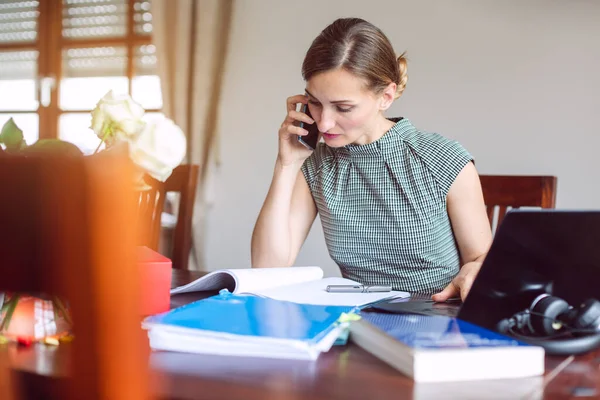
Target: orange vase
30	318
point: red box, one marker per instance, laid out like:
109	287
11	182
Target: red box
155	281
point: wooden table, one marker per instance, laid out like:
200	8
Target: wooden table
345	372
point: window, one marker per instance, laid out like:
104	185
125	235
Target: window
59	57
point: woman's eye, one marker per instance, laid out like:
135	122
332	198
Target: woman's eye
314	103
344	109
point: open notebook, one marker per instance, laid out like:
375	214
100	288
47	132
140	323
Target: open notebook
304	285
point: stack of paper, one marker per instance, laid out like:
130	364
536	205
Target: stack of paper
247	325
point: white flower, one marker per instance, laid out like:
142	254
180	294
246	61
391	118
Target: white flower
117	118
156	147
159	148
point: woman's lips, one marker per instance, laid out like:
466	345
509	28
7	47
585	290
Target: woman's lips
330	135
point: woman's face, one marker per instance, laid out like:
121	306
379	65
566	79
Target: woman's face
345	110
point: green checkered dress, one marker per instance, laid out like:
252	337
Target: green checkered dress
383	207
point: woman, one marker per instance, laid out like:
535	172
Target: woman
398	206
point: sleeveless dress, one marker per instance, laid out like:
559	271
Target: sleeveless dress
383	207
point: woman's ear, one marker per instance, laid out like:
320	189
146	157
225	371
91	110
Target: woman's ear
387	96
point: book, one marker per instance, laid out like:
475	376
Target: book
443	349
247	325
297	284
530	388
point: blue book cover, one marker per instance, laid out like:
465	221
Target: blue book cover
254	316
436	331
432	348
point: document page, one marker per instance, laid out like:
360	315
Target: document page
314	292
244	280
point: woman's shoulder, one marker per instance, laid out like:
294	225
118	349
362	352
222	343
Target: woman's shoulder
432	148
443	156
426	142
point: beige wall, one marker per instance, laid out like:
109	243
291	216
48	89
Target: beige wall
517	82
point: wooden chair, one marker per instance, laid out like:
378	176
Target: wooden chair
513	191
68	228
184	181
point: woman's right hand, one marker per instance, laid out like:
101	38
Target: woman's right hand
290	150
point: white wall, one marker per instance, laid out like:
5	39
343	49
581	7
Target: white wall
516	82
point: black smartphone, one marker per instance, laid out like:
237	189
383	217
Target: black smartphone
309	141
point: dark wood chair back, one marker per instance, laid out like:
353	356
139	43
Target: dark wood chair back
503	192
151	204
68	229
183	180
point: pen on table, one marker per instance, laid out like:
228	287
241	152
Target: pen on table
358	288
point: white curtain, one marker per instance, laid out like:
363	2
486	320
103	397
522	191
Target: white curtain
191	38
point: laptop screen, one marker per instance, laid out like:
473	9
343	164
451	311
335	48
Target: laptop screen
534	252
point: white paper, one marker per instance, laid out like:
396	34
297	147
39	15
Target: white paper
241	346
251	279
258	279
314	292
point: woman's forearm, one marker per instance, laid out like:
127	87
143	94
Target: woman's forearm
271	239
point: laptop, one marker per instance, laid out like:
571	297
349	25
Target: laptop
533	252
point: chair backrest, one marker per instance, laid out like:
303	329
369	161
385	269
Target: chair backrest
184	181
503	192
68	228
151	204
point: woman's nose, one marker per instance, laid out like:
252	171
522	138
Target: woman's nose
326	122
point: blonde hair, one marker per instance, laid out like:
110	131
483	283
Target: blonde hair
360	48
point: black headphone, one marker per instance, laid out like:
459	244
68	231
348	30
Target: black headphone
550	322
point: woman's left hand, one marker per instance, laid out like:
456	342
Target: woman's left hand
461	284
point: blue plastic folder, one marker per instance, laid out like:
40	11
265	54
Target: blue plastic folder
248	325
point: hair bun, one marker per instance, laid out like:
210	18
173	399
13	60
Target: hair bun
403	69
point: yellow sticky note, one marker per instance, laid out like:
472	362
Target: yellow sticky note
345	317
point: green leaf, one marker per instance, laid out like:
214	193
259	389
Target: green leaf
17	148
9	312
11	135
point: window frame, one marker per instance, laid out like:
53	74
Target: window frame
50	45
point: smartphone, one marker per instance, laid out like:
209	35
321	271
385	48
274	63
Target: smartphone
309	141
